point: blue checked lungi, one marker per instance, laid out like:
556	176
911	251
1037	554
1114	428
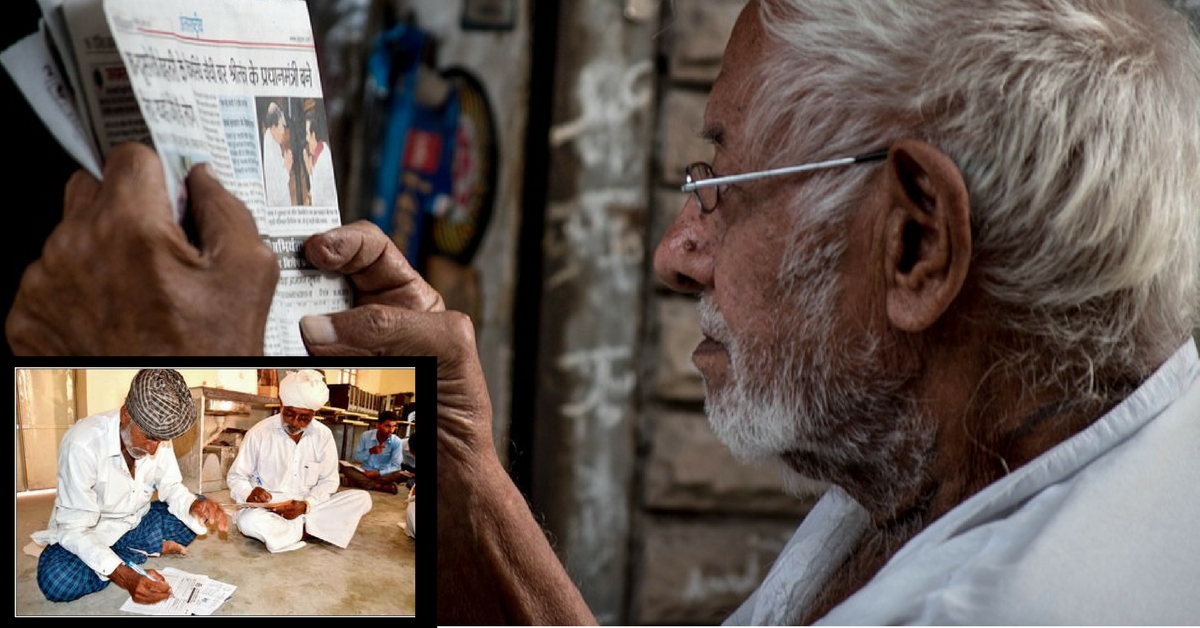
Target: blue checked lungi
63	577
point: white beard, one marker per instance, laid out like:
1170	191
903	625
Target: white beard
137	453
800	390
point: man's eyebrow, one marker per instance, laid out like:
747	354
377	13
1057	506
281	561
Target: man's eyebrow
713	134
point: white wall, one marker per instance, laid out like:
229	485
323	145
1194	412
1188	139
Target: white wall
105	389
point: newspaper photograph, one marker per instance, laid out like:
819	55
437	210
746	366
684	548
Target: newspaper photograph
231	83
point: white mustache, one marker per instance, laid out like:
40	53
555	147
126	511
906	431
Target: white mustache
712	322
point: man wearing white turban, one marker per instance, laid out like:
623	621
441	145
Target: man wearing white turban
289	463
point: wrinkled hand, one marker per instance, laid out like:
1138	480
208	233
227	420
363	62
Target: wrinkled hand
375	267
397	313
149	591
371	473
118	276
210	513
143	590
259	495
291	509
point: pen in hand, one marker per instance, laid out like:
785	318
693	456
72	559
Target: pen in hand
134	566
148	589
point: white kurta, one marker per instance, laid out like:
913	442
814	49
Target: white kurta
98	501
411	516
275	173
1104	528
321	184
306	471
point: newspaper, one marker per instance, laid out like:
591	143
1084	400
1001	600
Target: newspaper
191	594
233	83
241	505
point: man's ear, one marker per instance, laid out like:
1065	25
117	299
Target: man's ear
927	235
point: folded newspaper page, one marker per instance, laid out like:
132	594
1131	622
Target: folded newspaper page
233	83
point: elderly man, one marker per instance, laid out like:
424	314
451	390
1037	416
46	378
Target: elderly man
378	457
289	464
977	328
104	523
410	519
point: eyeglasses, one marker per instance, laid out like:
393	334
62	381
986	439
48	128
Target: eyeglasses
293	414
707	188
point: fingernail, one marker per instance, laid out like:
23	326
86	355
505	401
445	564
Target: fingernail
203	167
318	330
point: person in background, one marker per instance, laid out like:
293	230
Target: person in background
409	461
377	458
104	523
318	160
411	514
289	462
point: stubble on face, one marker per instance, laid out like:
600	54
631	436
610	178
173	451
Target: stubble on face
806	393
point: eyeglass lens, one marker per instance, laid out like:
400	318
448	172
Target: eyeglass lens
706	196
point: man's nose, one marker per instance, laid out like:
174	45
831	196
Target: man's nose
683	259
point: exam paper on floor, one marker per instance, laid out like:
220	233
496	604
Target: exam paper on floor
191	594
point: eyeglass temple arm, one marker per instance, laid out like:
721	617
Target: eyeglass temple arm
750	176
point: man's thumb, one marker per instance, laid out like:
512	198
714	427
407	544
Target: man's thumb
376	329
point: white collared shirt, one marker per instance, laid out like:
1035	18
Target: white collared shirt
1103	528
98	501
307	470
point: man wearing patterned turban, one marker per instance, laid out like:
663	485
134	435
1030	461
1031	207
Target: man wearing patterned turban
289	463
109	466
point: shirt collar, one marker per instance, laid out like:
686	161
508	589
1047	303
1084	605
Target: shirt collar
111	443
1162	388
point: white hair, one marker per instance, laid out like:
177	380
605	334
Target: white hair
1076	126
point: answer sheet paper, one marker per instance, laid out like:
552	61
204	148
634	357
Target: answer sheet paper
191	594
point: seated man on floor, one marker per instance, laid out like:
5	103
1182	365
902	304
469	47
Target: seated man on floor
411	516
289	463
409	462
378	458
109	466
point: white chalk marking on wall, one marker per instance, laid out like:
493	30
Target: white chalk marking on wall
609	94
606	384
596	229
602	511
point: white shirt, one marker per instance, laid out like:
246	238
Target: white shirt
275	173
98	501
406	455
321	184
1104	528
268	457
